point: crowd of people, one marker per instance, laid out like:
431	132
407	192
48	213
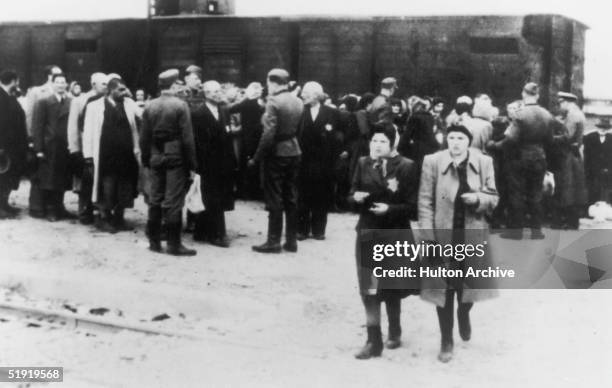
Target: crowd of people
391	160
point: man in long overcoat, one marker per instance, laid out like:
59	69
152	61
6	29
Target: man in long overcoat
321	144
50	136
250	109
570	188
83	182
38	93
13	141
216	165
111	145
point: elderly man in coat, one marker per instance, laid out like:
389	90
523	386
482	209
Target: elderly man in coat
50	136
216	165
82	181
13	141
321	144
457	190
111	148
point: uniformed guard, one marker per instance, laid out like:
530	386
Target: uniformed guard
530	133
279	151
168	150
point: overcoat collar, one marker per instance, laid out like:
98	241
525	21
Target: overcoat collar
447	161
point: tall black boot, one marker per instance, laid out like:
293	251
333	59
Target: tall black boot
275	229
445	319
175	247
374	345
154	228
291	226
395	329
463	319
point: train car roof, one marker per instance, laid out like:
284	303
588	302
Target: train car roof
289	18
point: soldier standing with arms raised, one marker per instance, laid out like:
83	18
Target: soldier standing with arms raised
168	150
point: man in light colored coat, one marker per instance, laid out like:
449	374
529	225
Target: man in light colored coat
83	182
111	148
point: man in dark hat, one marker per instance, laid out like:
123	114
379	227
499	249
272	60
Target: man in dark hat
279	152
598	161
168	149
380	110
13	141
573	119
567	165
530	133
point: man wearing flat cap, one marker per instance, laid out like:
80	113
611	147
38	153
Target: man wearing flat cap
279	152
530	133
380	110
573	118
168	149
567	165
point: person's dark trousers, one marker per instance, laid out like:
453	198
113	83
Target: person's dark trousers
86	207
252	184
53	203
190	222
168	190
525	192
445	315
5	209
280	191
36	202
572	217
4	197
216	220
154	221
312	219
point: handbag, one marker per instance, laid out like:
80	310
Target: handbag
193	199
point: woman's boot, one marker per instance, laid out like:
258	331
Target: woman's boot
463	318
374	345
394	307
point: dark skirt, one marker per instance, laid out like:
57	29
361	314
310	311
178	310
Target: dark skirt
383	288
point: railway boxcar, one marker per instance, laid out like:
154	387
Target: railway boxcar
438	55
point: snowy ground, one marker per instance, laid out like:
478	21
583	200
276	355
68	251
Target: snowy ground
271	320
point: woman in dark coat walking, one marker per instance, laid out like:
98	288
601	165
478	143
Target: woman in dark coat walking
385	188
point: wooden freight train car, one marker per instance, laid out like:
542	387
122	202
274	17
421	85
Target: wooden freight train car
439	55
